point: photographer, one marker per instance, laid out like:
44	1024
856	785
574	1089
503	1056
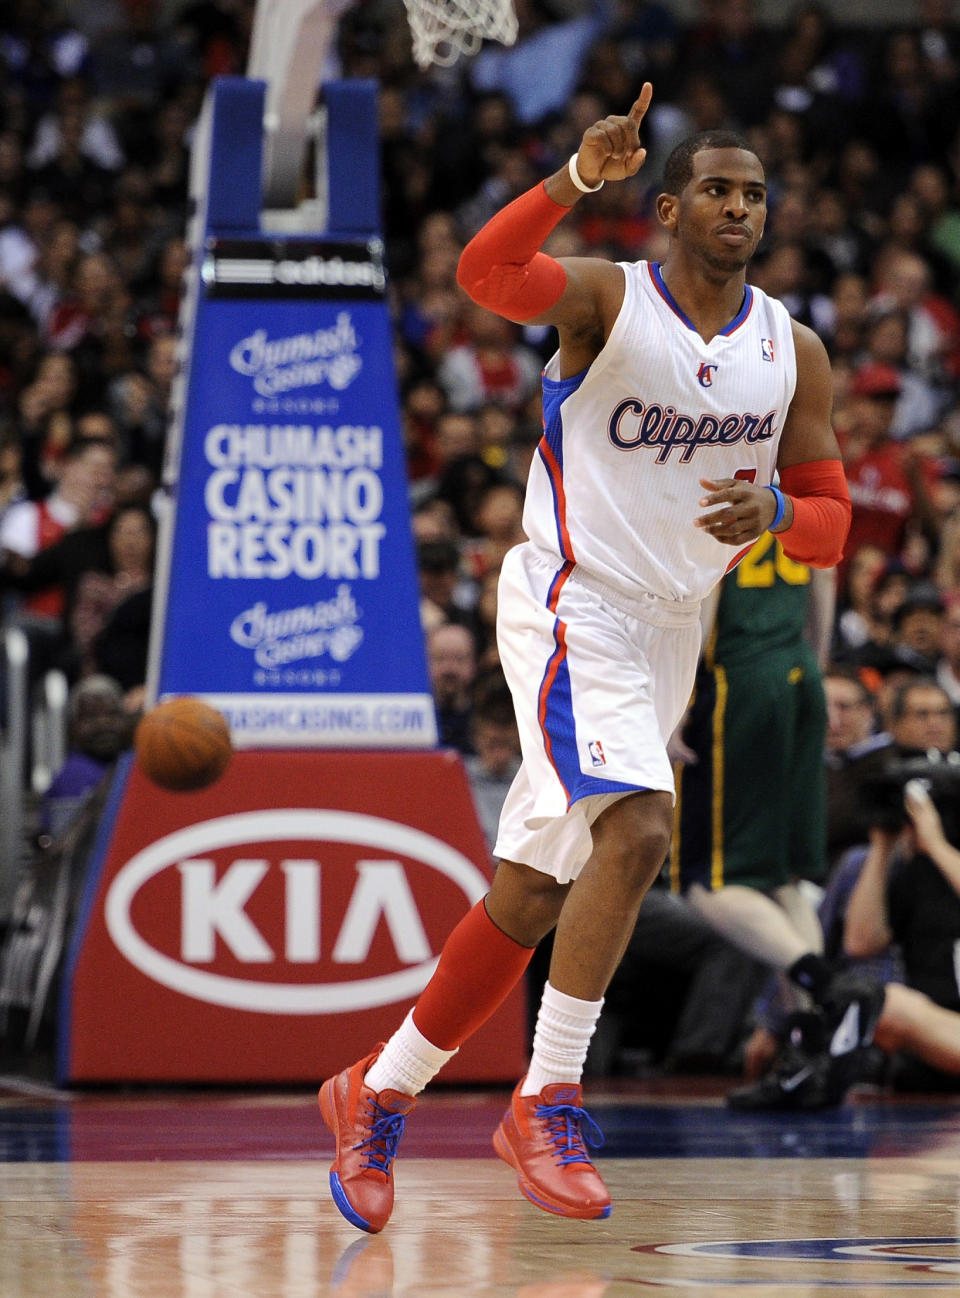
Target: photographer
908	892
855	750
921	721
921	727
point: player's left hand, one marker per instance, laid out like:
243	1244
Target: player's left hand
739	511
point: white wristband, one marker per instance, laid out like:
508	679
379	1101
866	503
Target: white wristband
575	177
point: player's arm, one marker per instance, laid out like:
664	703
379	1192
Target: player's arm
810	510
816	499
503	269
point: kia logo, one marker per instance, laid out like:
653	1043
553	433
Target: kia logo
215	908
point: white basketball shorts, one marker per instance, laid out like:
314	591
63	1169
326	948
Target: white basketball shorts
598	688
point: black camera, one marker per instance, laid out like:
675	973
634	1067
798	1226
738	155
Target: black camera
881	797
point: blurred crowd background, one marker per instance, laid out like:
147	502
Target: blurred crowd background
858	128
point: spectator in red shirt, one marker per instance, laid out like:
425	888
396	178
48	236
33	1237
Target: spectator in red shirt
493	366
889	485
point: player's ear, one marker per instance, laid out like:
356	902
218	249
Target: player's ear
667	210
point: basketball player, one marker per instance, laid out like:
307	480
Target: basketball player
751	807
676	394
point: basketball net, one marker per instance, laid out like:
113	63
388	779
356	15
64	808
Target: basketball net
444	29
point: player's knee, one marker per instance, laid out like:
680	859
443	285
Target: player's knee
525	903
645	857
635	842
540	911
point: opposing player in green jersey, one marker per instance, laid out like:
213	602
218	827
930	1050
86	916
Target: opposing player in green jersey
751	809
750	819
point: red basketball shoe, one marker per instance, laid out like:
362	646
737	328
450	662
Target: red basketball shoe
368	1127
541	1138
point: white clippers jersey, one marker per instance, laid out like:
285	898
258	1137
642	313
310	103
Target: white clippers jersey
615	485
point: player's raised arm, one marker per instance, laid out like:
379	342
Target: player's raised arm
502	267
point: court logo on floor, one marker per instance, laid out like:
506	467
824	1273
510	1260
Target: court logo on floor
896	1261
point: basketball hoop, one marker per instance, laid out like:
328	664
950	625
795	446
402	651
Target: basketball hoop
443	30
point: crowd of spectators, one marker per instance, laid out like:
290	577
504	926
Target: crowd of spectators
97	105
858	131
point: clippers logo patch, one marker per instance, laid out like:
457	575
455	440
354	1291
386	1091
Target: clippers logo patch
766	349
634	424
595	749
705	374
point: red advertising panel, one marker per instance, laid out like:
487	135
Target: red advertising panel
277	925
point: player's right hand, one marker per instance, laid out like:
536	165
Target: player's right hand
739	510
611	149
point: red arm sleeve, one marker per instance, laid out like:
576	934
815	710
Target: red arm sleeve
821	512
502	268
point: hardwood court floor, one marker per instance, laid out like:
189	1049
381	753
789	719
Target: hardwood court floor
224	1195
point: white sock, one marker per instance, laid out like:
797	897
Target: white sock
561	1039
407	1062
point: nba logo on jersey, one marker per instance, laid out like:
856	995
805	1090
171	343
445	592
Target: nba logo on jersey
595	749
705	375
766	349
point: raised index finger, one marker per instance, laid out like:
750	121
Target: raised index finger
640	105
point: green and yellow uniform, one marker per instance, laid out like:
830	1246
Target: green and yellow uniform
751	811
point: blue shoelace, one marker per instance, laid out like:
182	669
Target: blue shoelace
383	1139
564	1123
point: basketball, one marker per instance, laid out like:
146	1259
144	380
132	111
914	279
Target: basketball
183	744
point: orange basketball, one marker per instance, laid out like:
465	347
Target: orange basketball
183	744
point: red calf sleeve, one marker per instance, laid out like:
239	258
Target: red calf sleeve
479	967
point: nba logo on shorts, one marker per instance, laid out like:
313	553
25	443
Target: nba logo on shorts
596	752
766	349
